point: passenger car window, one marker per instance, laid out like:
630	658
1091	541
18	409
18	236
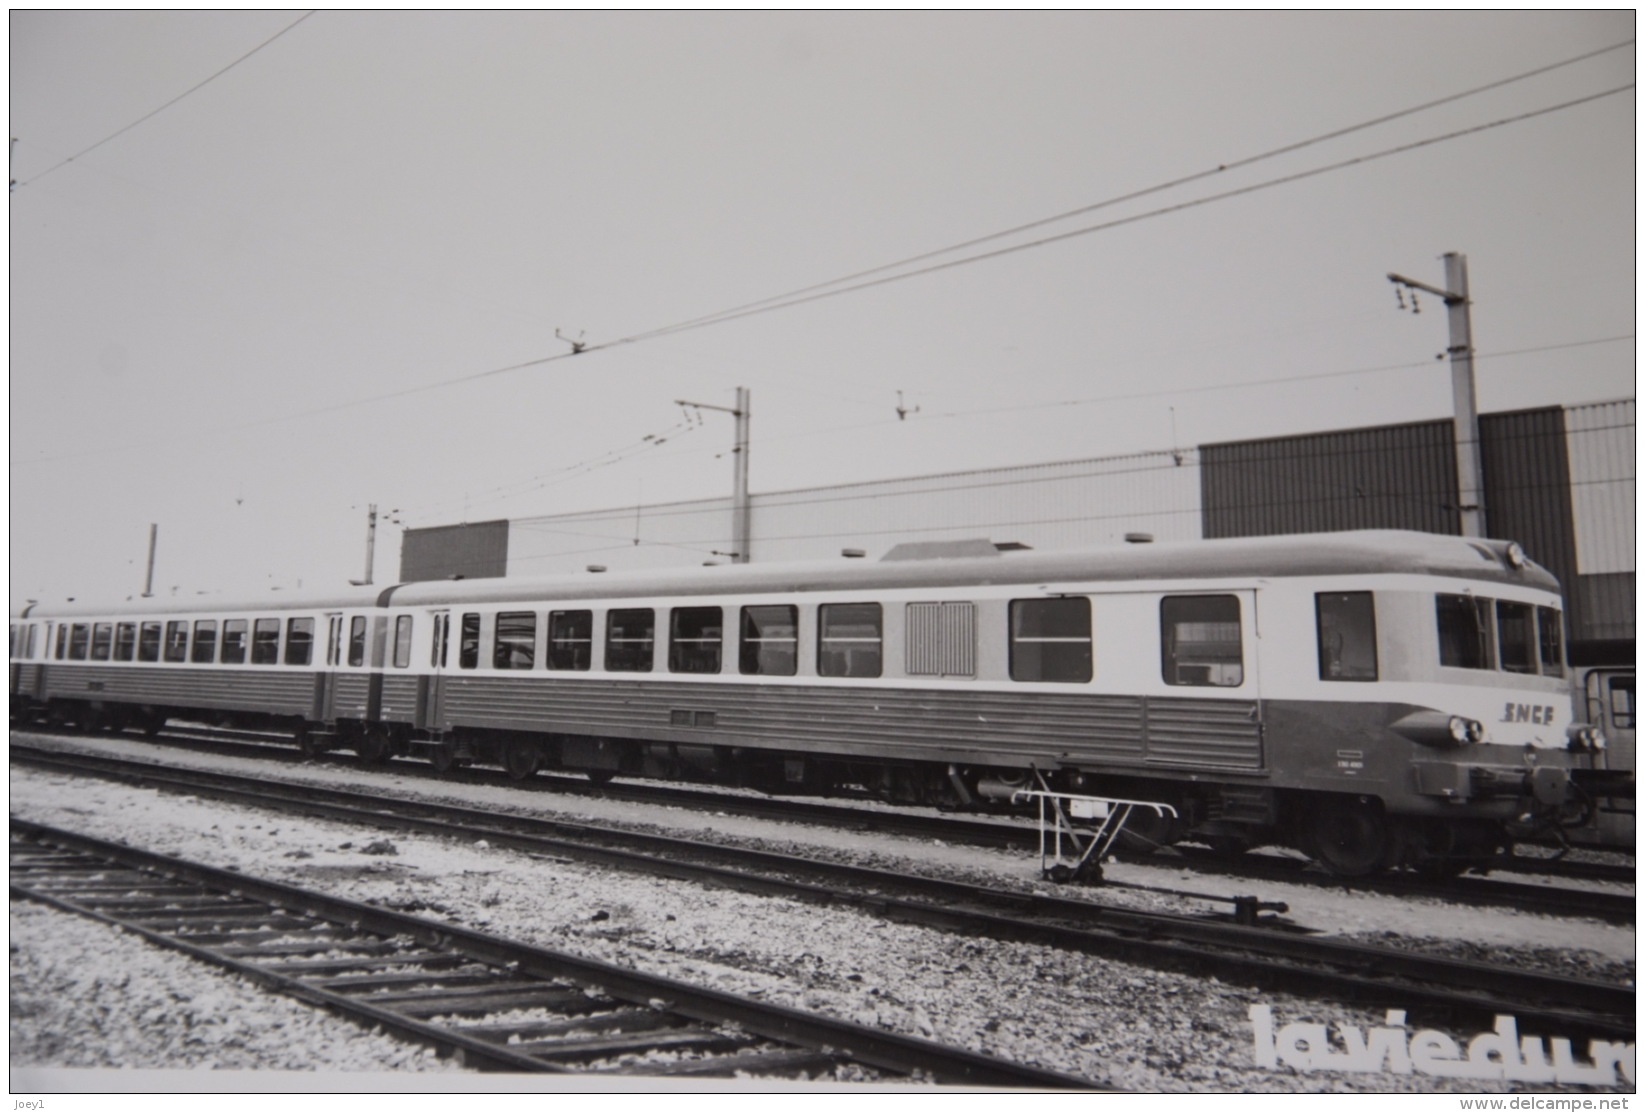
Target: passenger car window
1051	640
176	642
205	641
1346	624
148	642
516	642
234	642
265	642
102	641
695	638
1200	641
570	640
630	635
125	641
299	641
769	644
468	643
79	641
850	639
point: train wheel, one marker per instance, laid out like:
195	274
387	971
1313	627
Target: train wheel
1147	831
599	776
521	759
443	755
373	747
1352	838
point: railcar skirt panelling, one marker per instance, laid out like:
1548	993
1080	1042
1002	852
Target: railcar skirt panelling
987	727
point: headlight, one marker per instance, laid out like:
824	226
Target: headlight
1516	555
1476	731
1459	728
1599	741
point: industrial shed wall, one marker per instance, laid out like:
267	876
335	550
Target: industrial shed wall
473	550
1389	477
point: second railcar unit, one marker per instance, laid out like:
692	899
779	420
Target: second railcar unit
1371	697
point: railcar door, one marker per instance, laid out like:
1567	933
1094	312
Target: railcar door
431	685
1212	716
325	678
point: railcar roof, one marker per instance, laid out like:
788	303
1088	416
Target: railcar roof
1357	552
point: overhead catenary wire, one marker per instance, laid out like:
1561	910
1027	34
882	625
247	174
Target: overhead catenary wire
180	96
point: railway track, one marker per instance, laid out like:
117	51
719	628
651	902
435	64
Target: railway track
499	1004
1232	951
1478	891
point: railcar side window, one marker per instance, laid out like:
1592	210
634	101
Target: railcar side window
62	642
176	642
1200	641
942	639
299	641
570	640
148	642
629	637
1347	626
265	642
516	644
125	641
437	646
79	641
1551	633
1464	631
357	641
1516	636
770	641
205	641
102	640
402	641
34	629
695	638
468	643
850	639
1051	639
234	642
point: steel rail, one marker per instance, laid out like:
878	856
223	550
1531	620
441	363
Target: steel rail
524	972
1337	966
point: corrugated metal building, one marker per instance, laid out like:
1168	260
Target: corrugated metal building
1559	481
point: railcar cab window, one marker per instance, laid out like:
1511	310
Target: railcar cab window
1551	634
402	641
205	641
850	639
102	640
1465	640
1516	636
357	641
468	642
1200	642
630	635
570	640
79	641
299	641
176	642
1051	640
770	641
234	642
695	638
516	643
148	642
1347	625
265	642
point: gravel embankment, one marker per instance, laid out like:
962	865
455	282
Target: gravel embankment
1110	1022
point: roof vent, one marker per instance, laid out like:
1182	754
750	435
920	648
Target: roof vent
1139	538
941	550
596	568
1011	547
853	554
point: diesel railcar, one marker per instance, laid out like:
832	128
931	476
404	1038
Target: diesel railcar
1372	698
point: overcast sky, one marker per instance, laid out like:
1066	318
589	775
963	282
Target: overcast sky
275	301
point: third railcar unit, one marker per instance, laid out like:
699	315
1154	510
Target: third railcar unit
1372	697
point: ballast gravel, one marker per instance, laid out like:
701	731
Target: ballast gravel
1109	1022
